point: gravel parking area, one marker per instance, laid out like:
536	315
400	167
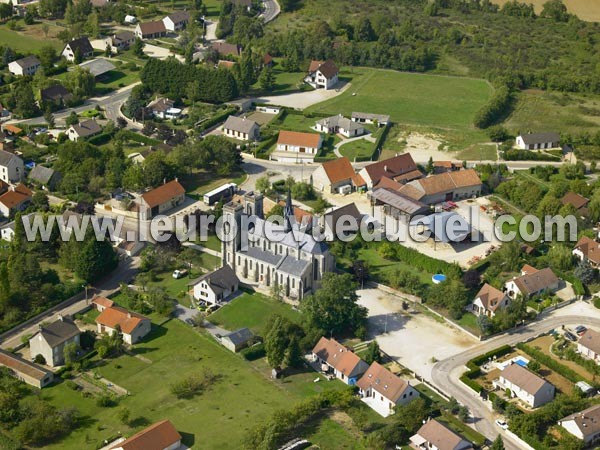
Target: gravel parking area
412	339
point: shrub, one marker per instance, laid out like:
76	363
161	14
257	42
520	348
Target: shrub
253	353
105	401
551	363
471	383
495	108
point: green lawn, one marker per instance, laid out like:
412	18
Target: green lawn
199	183
329	432
251	310
469	321
116	79
357	149
212	242
480	152
285	83
28	40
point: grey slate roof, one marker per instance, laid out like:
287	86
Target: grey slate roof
41	174
219	280
261	255
97	66
6	157
28	61
438	225
539	138
339	121
293	266
179	16
83	44
399	201
240	336
87	128
379	117
56	92
240	124
58	332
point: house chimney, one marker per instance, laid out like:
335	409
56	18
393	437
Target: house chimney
61	318
164	181
385	168
129	315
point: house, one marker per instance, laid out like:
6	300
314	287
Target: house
177	20
44	177
83	130
381	120
162	199
268	60
121	41
322	74
295	146
129	19
12	130
535	141
589	345
133	326
532	282
241	128
336	358
337	176
101	303
584	425
525	385
434	435
237	340
150	30
339	220
277	255
214	287
26	371
488	300
4	113
57	95
158	436
395	204
401	168
80	46
51	340
7	231
383	391
226	49
98	67
163	108
339	124
587	249
579	202
12	169
448	186
16	198
27	66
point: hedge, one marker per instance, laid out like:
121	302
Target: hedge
474	366
255	352
215	119
495	108
527	155
551	363
471	383
378	144
262	148
500	351
424	262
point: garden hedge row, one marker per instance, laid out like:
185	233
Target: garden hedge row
474	366
551	363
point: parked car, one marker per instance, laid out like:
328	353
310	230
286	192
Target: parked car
580	330
502	424
570	336
179	273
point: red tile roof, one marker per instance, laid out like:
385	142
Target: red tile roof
391	167
158	436
14	198
339	170
590	249
337	355
310	140
103	301
163	194
115	315
383	381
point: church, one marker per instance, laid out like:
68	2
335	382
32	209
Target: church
294	265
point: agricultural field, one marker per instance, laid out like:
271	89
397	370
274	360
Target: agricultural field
588	10
539	111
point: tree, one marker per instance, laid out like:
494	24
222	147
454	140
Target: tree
334	308
289	5
45	29
373	353
293	354
585	272
72	119
560	257
429	168
555	10
263	184
138	47
6	11
70	352
484	324
108	51
267	79
360	269
276	343
498	444
47	56
49	118
534	366
124	415
25	106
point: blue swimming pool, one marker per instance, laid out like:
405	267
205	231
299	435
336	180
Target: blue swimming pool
438	278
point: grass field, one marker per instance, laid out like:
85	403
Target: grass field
480	152
252	311
357	149
285	82
584	9
199	183
539	111
29	38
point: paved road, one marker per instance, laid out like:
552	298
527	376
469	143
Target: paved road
446	373
271	10
126	270
111	104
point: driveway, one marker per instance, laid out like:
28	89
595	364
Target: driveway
183	312
154	51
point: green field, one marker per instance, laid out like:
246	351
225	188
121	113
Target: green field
252	311
357	149
28	42
411	98
199	183
241	397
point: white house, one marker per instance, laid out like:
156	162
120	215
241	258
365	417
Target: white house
536	141
101	303
81	46
12	168
83	130
588	250
50	340
532	282
216	286
162	199
337	177
336	358
294	146
27	66
164	108
241	128
488	300
339	124
433	435
150	30
176	20
379	119
16	198
133	326
159	436
383	391
589	345
120	41
322	74
584	425
530	388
